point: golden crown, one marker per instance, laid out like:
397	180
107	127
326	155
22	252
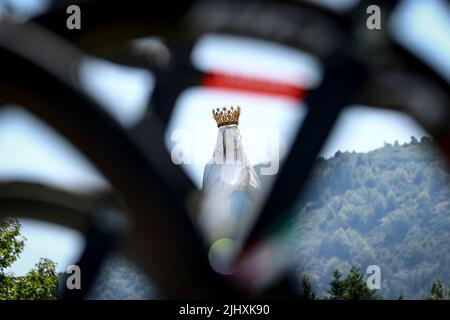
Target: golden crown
226	116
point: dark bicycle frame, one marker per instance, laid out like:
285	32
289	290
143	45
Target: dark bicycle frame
135	161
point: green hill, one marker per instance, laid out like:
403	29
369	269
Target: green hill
389	207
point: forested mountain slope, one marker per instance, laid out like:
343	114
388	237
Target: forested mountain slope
389	207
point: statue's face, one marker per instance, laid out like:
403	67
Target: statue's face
232	140
237	139
234	133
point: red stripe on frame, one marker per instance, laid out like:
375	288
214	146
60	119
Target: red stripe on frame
248	84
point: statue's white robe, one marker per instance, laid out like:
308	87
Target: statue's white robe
229	186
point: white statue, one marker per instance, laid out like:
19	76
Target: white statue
230	183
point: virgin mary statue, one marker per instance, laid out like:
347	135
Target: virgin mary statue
230	183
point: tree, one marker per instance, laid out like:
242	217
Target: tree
356	287
426	139
337	286
353	287
11	243
437	291
38	283
308	293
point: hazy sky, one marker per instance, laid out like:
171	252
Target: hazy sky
30	150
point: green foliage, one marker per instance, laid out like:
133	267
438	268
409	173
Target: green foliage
11	244
308	293
438	291
353	287
39	283
387	207
336	285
